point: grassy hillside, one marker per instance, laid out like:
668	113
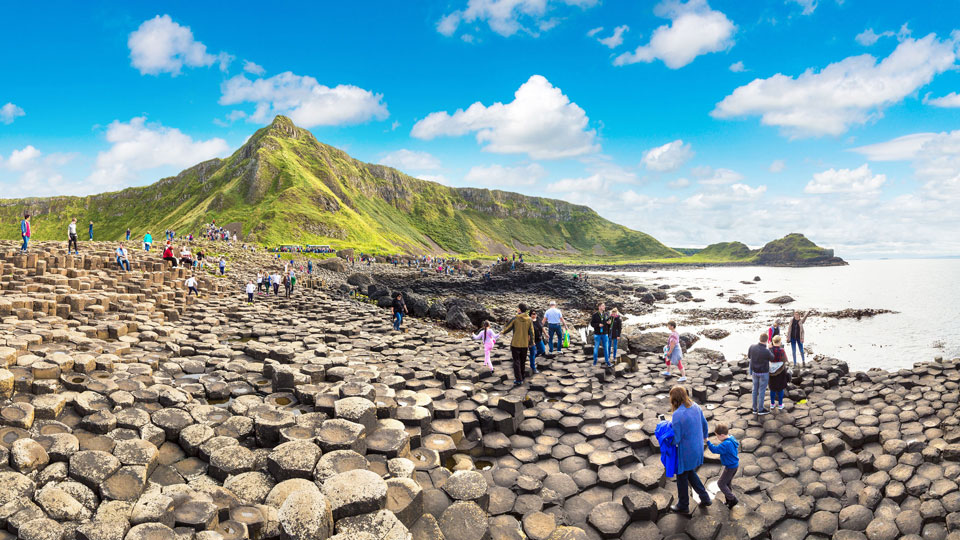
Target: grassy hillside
792	250
283	186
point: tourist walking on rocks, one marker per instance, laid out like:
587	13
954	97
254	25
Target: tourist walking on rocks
25	232
250	292
778	373
689	432
168	255
674	352
275	280
223	265
309	267
147	241
286	285
91	231
601	333
553	318
191	284
200	258
122	260
259	281
795	336
72	237
727	450
128	234
522	328
399	309
760	358
489	339
536	348
616	330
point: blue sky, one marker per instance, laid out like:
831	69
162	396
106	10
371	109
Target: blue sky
696	122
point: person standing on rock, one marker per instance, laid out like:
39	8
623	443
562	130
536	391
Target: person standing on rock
778	373
147	241
674	352
553	318
25	232
91	231
259	281
72	237
616	330
309	266
536	348
689	432
191	284
399	309
275	280
727	450
223	265
795	336
122	261
128	234
601	333
489	339
773	331
250	292
522	328
760	358
293	281
286	284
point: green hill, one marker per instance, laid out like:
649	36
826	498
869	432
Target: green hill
283	186
792	250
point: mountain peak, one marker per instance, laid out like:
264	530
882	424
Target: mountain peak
283	126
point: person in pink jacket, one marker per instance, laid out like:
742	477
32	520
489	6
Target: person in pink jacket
489	340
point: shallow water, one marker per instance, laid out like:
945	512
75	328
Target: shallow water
924	292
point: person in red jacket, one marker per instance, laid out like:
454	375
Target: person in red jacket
168	255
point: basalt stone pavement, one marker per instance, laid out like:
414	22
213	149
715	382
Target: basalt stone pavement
130	411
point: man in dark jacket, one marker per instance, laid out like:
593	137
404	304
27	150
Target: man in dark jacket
536	347
522	328
399	308
760	358
601	333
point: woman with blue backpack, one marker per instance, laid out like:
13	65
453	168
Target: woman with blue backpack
689	432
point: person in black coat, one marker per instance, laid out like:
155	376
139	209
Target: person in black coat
616	330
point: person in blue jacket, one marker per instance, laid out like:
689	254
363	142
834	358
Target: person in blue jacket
689	432
727	450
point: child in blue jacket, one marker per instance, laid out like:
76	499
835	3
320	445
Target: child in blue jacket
727	450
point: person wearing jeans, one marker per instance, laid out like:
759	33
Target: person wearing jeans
399	308
522	328
778	373
536	348
601	333
122	261
25	232
795	336
616	329
553	318
689	432
760	358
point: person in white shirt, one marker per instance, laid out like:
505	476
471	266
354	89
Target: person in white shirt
191	284
251	290
259	281
553	318
275	280
122	260
186	259
72	237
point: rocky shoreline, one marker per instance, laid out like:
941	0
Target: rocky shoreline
130	411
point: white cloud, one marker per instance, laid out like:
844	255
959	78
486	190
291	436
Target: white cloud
709	176
900	149
9	113
808	5
500	176
868	37
861	181
616	39
253	68
843	94
594	31
411	160
668	157
951	101
541	122
20	160
694	29
508	17
38	174
723	196
136	146
160	45
438	178
307	102
737	67
778	165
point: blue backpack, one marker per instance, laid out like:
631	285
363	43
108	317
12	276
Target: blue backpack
668	449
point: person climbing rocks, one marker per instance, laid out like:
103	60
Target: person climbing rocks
399	308
760	358
91	231
488	339
25	232
689	432
191	284
778	373
122	261
553	318
795	336
250	291
168	255
522	328
616	330
673	352
536	348
727	449
72	237
601	333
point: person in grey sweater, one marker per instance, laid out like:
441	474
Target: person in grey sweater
760	358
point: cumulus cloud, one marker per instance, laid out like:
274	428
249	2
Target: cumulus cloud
809	6
613	40
137	145
37	174
508	17
668	157
694	29
843	94
950	101
541	122
737	67
411	160
22	159
160	45
868	37
253	68
307	102
861	181
500	176
708	176
778	165
9	113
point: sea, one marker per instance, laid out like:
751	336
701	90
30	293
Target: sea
924	293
